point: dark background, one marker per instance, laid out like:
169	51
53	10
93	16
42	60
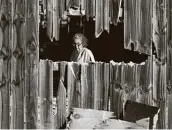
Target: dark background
108	46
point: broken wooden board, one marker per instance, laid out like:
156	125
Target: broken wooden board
135	111
120	124
87	118
96	119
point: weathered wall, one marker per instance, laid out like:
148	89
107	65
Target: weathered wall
19	58
147	29
138	25
5	65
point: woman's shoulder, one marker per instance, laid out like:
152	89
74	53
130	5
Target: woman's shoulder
87	50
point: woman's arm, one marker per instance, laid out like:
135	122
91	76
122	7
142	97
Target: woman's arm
92	59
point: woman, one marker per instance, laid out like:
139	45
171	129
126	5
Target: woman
81	54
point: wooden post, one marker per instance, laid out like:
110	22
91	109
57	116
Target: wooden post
116	92
5	59
85	86
159	63
46	94
17	64
73	85
61	106
60	116
169	62
106	85
31	62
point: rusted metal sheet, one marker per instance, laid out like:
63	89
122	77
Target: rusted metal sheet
138	25
31	62
46	94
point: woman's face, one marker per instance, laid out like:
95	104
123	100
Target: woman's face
78	44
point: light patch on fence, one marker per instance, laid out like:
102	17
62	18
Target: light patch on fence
56	66
131	64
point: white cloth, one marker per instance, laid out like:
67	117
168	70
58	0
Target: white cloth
84	56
